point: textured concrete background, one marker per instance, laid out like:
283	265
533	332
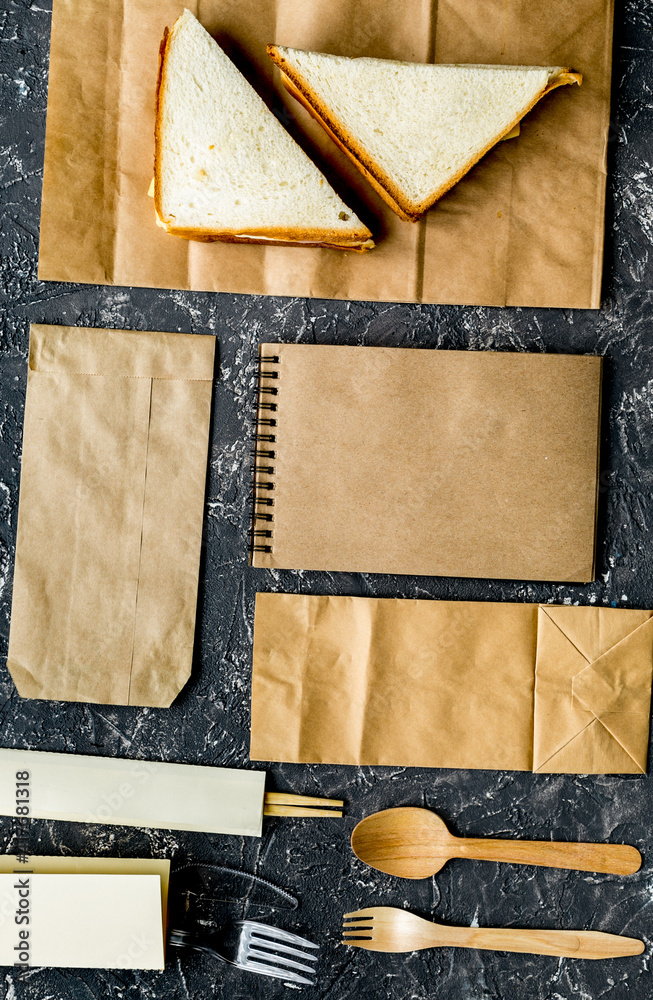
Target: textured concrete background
208	724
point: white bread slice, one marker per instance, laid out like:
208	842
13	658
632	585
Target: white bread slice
225	168
414	129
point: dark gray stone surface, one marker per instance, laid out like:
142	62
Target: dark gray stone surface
208	724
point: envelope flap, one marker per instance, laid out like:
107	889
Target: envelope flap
585	753
556	719
594	631
616	689
134	354
592	716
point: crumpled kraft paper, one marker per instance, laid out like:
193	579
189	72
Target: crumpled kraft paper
524	228
110	514
524	687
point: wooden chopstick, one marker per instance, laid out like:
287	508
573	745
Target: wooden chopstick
286	804
288	799
300	811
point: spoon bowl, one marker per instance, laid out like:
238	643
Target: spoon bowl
407	842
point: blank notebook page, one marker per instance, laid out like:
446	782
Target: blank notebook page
427	462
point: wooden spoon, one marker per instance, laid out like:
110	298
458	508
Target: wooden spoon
415	843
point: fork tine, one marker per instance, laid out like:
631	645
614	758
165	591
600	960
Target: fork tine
265	950
280	960
276	973
276	934
278	946
366	943
357	928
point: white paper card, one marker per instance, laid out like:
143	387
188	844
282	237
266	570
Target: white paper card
81	921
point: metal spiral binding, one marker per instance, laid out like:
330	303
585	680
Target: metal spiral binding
264	435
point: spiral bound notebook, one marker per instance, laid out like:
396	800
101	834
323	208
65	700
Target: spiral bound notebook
426	462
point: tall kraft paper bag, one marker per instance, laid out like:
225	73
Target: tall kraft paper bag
110	515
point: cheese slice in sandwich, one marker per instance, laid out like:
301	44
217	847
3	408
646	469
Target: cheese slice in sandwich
414	129
225	168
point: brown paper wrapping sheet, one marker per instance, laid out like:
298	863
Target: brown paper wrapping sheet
110	515
436	463
524	228
526	687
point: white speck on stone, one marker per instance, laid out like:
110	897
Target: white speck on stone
4	568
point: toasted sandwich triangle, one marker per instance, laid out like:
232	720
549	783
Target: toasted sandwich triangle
225	168
413	129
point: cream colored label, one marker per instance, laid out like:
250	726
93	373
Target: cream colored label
81	921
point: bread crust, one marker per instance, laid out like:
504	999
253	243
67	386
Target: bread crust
272	237
411	211
325	238
163	51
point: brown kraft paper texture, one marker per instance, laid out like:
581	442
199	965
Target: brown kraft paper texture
110	514
524	687
427	462
524	228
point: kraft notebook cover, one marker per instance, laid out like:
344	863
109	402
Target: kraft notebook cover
427	462
409	683
524	228
110	514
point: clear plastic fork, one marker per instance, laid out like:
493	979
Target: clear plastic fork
259	948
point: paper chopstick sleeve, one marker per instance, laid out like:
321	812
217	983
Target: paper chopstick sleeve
83	789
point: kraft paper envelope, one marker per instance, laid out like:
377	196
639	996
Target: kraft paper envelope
81	789
525	227
439	463
110	515
526	687
83	921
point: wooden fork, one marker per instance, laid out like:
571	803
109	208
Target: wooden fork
385	928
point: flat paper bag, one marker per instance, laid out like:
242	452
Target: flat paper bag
110	516
82	921
368	681
525	227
